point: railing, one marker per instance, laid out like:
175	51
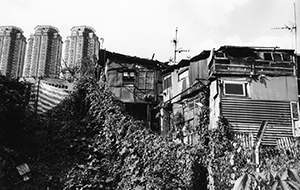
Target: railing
251	67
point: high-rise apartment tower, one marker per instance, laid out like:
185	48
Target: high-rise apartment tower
12	51
83	44
43	53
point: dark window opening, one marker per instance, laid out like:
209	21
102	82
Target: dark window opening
128	77
237	89
268	56
277	57
294	111
167	83
286	57
220	55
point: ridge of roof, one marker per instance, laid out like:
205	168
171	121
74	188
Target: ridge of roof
130	59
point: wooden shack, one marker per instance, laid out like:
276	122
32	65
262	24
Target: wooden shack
250	85
247	85
135	81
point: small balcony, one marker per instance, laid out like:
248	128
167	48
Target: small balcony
250	66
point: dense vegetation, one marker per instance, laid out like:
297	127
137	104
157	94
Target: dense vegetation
89	142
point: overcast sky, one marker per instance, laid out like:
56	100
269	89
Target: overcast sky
141	28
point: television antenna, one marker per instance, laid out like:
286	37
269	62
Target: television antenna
292	28
177	50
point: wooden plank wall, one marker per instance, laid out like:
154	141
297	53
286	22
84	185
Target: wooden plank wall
242	67
246	115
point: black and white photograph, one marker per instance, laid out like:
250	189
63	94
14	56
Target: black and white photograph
149	95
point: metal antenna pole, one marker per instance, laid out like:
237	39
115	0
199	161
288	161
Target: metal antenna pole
179	50
175	44
295	27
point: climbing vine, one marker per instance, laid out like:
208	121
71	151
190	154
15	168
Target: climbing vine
91	143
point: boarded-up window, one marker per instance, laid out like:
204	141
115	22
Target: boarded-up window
146	80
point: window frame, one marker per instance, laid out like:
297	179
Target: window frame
220	55
295	120
277	57
281	56
167	82
148	81
286	57
244	85
268	56
128	79
183	74
293	111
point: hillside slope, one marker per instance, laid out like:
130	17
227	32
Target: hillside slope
91	143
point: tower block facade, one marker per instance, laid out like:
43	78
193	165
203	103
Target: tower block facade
43	53
83	44
12	51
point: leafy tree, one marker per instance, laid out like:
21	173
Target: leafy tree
13	104
86	67
15	126
284	178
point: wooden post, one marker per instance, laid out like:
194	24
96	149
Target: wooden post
37	94
148	115
257	143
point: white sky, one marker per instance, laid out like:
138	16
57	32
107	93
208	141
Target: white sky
143	27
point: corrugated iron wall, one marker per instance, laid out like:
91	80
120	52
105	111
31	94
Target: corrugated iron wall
49	93
246	115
